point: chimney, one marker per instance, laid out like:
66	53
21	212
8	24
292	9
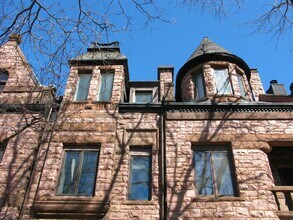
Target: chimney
291	89
15	37
166	76
276	89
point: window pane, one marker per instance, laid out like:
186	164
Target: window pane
203	172
1	153
222	81
106	85
140	178
88	173
144	96
199	87
223	173
83	87
241	87
3	76
69	172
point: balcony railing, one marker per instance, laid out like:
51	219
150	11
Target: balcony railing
284	200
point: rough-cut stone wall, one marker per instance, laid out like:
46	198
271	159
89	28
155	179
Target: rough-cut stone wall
252	170
16	164
117	92
21	129
21	86
136	130
256	84
165	76
99	124
188	89
79	124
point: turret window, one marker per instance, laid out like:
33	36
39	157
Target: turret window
199	91
3	78
240	83
106	85
222	81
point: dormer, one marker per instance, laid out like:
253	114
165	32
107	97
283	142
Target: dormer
18	83
213	74
143	92
99	75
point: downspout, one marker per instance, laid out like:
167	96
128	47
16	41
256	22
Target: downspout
162	139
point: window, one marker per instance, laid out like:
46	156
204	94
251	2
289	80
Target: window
78	173
222	81
106	85
143	96
213	175
140	174
240	83
199	87
3	145
3	78
83	86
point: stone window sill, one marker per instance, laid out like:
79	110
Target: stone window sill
216	199
138	202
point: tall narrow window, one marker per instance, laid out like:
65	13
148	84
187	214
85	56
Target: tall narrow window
213	175
106	85
199	87
78	175
222	81
240	83
3	78
140	174
82	88
3	145
143	96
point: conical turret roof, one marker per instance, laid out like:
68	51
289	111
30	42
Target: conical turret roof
207	47
205	52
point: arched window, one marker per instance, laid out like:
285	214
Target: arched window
3	78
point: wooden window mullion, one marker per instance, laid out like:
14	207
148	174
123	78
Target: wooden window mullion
213	174
78	172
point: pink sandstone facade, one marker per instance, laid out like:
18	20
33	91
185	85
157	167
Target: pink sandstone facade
216	147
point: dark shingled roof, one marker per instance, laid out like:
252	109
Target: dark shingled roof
205	52
207	47
101	52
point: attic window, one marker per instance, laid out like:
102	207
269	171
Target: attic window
83	84
143	96
106	85
3	78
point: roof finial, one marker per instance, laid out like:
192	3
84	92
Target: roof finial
15	37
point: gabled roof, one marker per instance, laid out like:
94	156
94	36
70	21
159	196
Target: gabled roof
101	52
207	47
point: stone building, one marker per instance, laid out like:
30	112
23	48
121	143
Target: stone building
216	146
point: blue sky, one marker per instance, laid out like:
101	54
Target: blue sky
172	43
